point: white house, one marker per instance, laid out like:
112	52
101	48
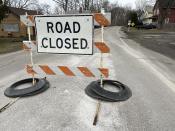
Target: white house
147	15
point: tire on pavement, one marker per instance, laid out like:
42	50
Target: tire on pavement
40	86
92	94
94	90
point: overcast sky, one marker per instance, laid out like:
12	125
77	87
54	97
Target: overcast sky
121	2
126	2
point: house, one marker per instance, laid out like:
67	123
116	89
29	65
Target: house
11	26
146	17
164	12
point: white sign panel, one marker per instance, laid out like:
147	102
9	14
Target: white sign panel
65	34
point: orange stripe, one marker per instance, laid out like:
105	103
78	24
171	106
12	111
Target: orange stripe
86	71
31	18
25	47
102	47
30	70
47	70
104	71
66	70
101	19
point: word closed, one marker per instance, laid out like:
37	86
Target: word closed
65	34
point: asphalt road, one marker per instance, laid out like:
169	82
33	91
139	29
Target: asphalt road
158	47
65	107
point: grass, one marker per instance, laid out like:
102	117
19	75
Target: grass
8	45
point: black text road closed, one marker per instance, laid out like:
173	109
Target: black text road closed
65	34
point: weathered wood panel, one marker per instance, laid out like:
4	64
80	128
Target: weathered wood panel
13	19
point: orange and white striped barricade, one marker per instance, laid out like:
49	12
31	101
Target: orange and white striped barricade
27	20
29	45
101	19
80	71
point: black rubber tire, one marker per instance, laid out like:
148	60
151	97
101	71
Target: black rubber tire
38	91
123	94
95	91
92	94
40	86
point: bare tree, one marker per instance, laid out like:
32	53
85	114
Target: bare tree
106	5
58	10
84	5
151	2
67	4
120	16
3	10
113	5
21	3
96	4
140	4
43	8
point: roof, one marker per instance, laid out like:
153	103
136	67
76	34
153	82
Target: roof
20	11
166	3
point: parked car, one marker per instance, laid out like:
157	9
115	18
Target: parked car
146	26
149	26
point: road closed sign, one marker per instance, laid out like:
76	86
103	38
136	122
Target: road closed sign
65	34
